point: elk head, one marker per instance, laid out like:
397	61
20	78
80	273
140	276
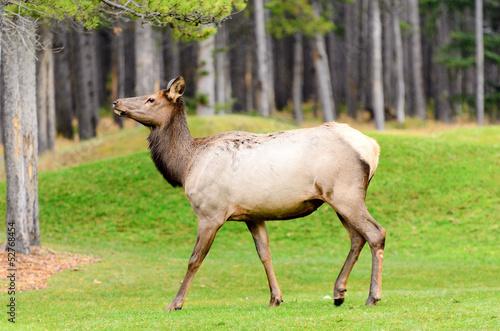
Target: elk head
153	110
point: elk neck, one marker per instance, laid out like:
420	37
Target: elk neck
172	147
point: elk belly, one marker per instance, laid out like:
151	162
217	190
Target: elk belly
278	213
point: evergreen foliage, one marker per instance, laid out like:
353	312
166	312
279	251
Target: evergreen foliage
463	44
184	17
460	54
289	17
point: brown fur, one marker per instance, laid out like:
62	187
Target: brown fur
172	147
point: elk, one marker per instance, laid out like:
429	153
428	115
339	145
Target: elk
254	178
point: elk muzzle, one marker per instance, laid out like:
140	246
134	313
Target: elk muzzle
118	111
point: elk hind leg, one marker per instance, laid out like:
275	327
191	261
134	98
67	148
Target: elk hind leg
357	244
361	221
350	205
375	235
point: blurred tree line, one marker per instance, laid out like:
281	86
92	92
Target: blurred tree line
276	53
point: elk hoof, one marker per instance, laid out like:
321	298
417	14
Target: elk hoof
338	301
372	301
172	306
275	302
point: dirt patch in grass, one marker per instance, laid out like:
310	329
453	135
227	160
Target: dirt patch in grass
33	271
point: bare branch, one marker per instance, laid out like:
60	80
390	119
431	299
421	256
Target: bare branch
124	8
19	26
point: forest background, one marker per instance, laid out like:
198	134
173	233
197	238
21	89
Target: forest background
326	54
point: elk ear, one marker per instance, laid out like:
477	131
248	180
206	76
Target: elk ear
175	88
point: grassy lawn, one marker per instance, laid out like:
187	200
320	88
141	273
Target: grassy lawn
438	197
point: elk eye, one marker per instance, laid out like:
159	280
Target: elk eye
151	100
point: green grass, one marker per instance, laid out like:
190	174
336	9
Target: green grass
438	198
489	134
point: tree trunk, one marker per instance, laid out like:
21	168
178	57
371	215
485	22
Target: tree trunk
324	84
399	61
270	64
129	44
27	88
147	74
161	79
407	63
14	160
46	93
479	63
309	90
118	68
457	91
171	55
388	52
62	83
101	65
352	58
222	65
416	53
188	68
205	82
240	39
41	97
377	83
51	99
283	71
298	73
21	146
86	99
442	84
470	81
249	90
427	60
335	50
220	77
263	83
366	54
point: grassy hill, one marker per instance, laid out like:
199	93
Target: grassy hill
438	197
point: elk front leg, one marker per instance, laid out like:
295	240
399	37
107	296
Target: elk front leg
204	240
258	229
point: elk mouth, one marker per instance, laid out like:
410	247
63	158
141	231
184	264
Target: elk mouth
119	112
